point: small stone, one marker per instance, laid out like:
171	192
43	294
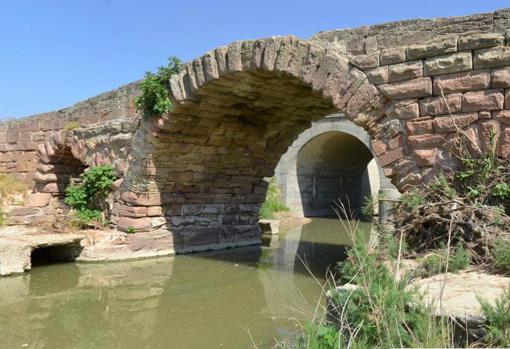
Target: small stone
482	100
492	57
485	114
421	87
461	82
437	105
447	64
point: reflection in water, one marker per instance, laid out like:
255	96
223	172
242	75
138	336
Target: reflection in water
192	301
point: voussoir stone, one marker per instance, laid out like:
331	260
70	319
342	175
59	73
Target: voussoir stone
420	87
425	157
461	82
367	61
439	105
492	57
446	64
432	48
482	100
378	75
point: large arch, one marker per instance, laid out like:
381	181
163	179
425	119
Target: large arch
199	172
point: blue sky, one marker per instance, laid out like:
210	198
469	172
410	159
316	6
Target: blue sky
57	52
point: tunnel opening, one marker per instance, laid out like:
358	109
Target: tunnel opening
47	255
335	170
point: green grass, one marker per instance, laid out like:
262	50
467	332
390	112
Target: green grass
273	202
497	321
435	262
501	254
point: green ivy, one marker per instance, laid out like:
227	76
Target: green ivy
154	99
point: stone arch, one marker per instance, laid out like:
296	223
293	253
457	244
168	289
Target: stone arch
199	171
60	158
286	173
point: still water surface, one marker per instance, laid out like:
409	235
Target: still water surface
209	300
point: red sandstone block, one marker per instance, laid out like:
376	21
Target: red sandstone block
461	82
507	99
502	116
379	147
132	211
454	122
425	157
405	110
420	87
140	224
391	156
438	106
482	100
37	200
420	127
396	142
426	141
504	143
500	77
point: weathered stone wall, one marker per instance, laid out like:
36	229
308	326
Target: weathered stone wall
20	139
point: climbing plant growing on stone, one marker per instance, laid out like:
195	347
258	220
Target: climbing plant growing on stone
154	99
88	197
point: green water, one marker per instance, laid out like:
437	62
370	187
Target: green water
211	300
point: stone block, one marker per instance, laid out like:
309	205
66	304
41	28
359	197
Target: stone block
379	147
419	127
447	123
367	61
391	156
447	64
378	75
502	116
432	48
461	82
420	87
37	200
478	41
132	211
507	99
482	100
500	77
139	224
393	55
484	114
439	105
492	57
504	143
405	71
405	110
425	157
396	142
428	141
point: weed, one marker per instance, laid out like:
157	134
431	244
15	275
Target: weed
273	202
435	262
72	125
131	230
154	99
497	320
10	185
413	199
501	253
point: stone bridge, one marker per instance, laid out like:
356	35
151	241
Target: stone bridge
195	178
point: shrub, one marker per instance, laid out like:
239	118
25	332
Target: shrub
501	253
413	199
131	230
273	202
154	99
435	263
381	313
497	320
87	197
